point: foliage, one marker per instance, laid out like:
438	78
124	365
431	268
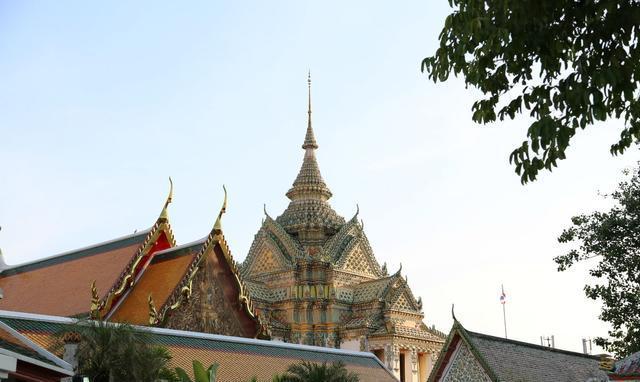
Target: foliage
613	237
314	372
108	352
201	375
586	61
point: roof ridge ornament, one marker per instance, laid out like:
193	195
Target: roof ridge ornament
218	224
164	214
95	301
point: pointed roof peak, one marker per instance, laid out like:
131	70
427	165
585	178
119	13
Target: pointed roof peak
309	139
309	210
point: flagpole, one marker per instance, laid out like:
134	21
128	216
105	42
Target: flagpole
504	312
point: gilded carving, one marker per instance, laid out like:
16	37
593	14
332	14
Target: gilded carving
207	309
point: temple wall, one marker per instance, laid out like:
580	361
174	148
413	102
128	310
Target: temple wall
351	345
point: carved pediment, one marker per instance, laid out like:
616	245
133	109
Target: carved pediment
357	261
402	302
271	247
400	297
266	261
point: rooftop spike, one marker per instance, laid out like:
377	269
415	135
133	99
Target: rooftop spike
309	139
164	214
218	224
309	215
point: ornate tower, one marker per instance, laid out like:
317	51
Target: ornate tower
314	279
309	217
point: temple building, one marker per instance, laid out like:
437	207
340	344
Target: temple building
476	357
310	278
142	279
314	279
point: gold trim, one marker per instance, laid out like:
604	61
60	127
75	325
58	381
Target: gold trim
164	214
95	301
153	312
217	226
126	278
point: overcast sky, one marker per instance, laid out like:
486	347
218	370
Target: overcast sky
100	103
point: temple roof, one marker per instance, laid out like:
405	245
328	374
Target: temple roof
39	286
16	345
159	279
509	360
309	209
239	358
104	271
627	367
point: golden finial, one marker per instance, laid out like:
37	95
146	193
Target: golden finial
95	301
153	312
309	86
164	214
218	225
309	139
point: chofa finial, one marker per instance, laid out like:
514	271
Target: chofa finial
164	214
453	314
218	225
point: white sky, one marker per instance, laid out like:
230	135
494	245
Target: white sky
100	103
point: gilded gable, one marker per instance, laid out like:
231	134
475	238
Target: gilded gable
208	309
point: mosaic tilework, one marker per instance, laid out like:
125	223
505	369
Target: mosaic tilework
465	368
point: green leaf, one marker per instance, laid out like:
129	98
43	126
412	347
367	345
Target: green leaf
199	372
184	377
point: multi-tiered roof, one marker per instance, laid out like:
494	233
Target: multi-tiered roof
314	277
309	215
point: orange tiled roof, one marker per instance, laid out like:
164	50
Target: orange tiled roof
159	279
60	285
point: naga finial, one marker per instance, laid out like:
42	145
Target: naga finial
153	312
218	225
164	214
95	301
453	314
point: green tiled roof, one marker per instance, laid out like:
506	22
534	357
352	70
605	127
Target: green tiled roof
36	324
25	351
370	290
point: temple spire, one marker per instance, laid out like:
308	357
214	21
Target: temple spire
309	139
309	214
